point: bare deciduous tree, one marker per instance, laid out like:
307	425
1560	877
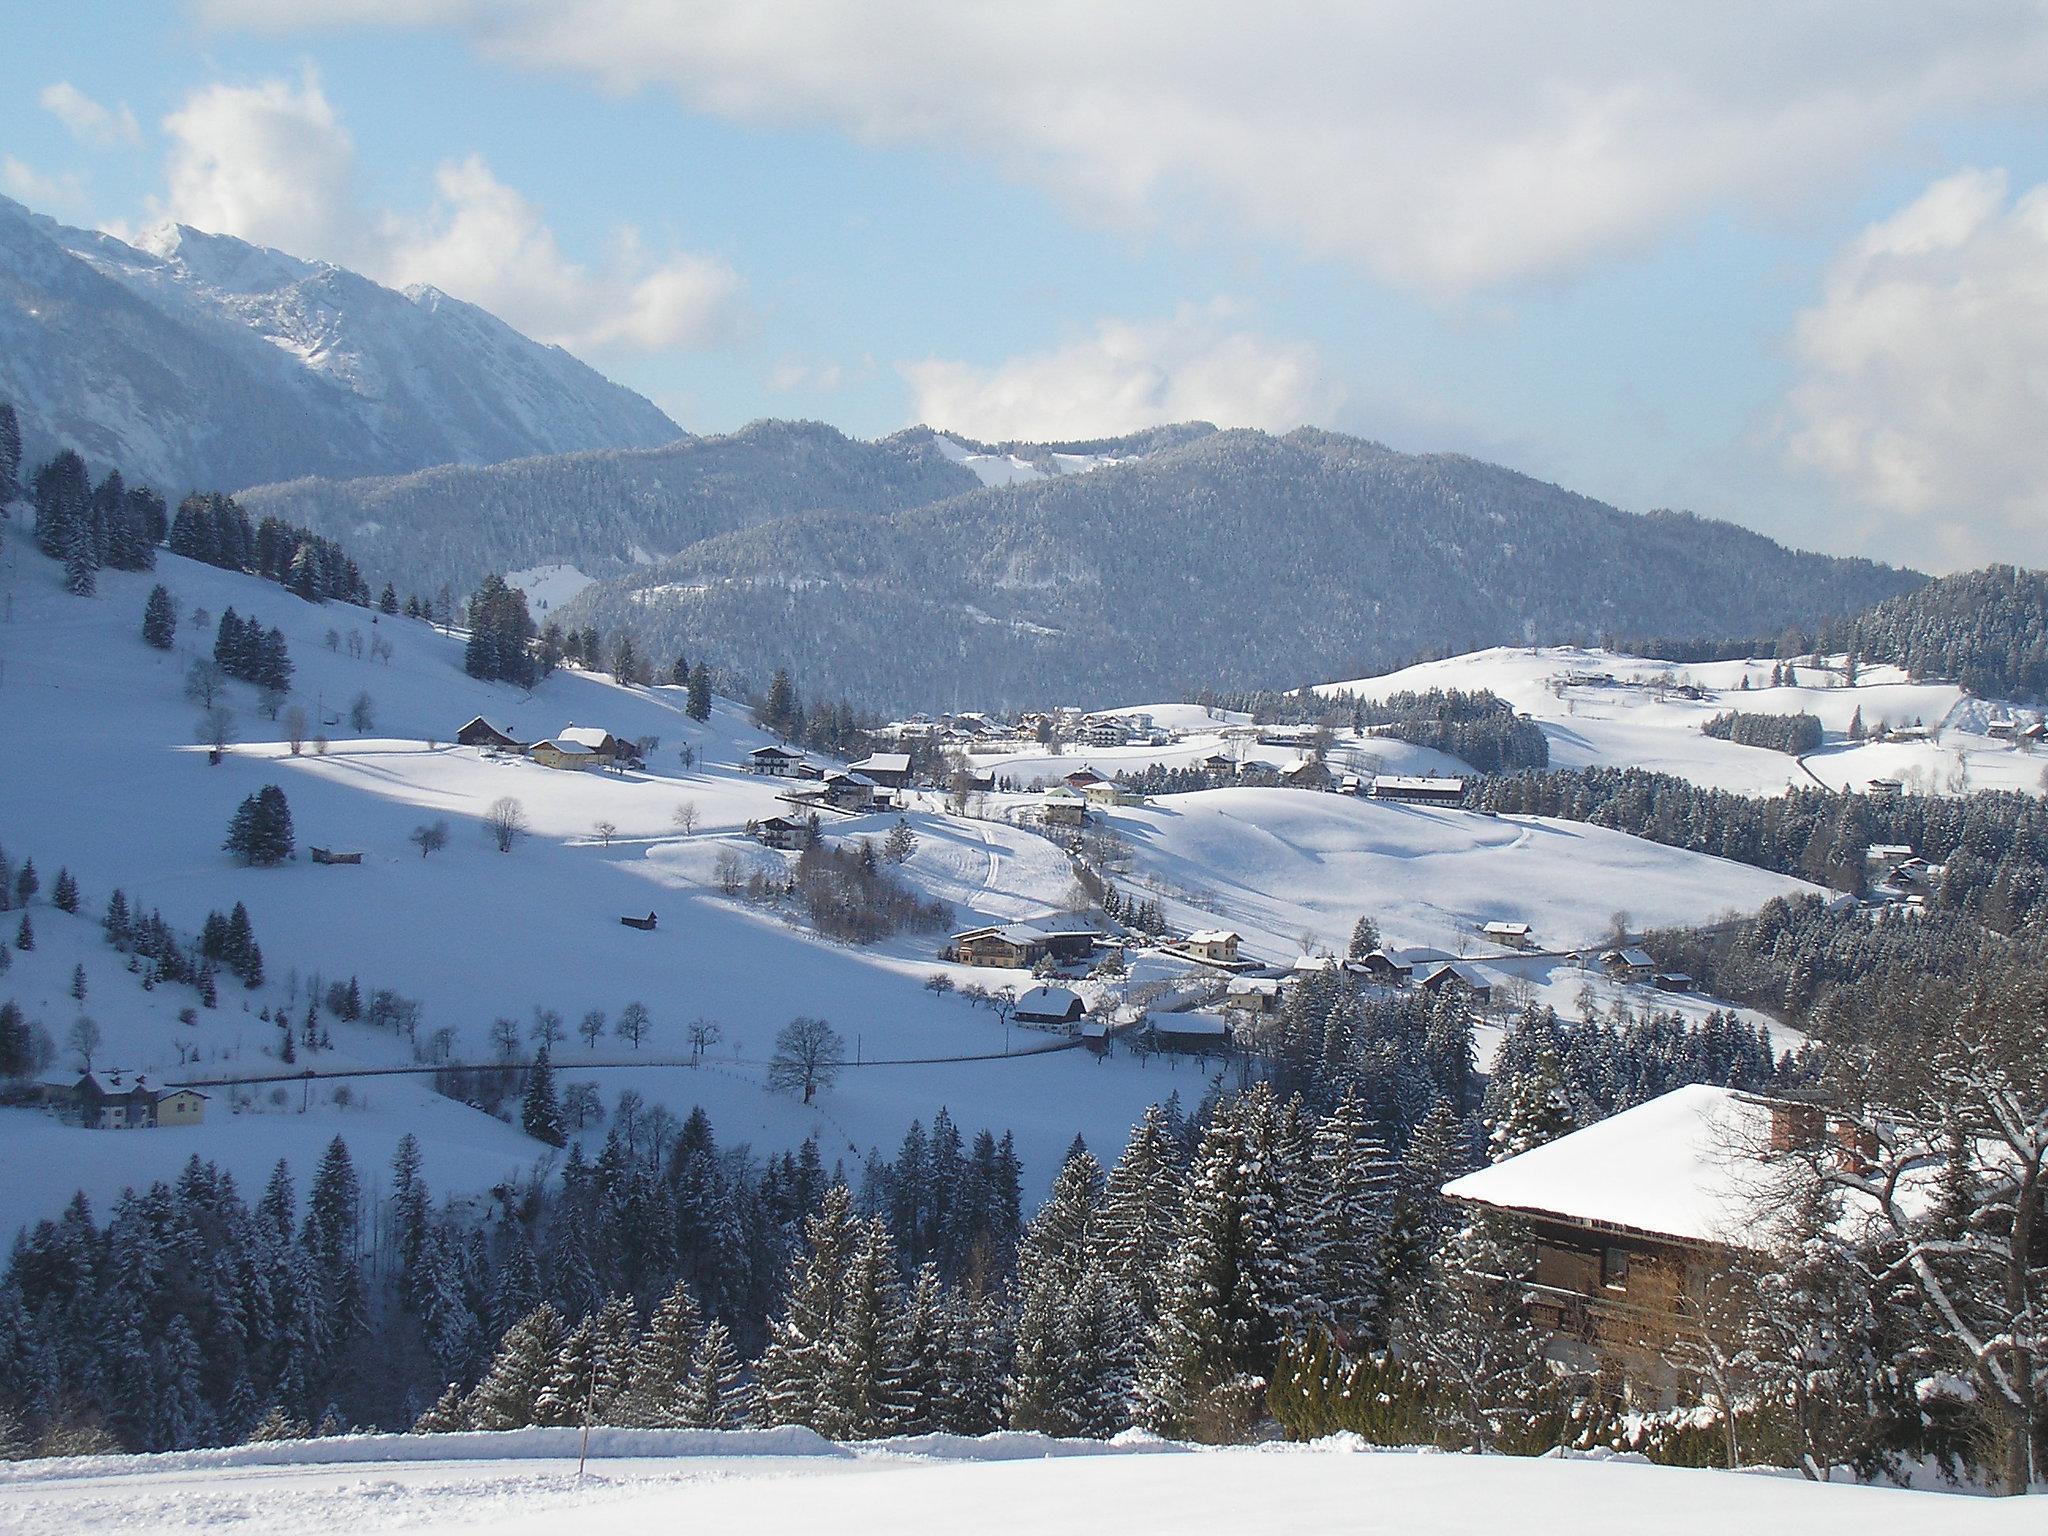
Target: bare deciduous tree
205	682
295	729
685	817
505	821
634	1024
606	831
431	836
808	1057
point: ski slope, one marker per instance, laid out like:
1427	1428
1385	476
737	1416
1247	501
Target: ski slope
788	1481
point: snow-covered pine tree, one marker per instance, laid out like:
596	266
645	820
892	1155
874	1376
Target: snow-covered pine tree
1140	1210
661	1362
1050	1261
794	1369
508	1394
864	1394
1356	1184
448	1412
540	1113
715	1397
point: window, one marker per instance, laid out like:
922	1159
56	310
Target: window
1614	1269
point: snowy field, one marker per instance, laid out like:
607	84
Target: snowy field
1639	722
116	792
782	1481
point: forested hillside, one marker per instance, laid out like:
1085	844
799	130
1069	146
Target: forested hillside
1239	560
456	523
1988	630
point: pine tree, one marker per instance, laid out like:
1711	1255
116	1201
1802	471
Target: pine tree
864	1395
387	603
1365	938
507	1395
160	618
449	1413
679	672
1140	1211
10	453
657	1395
1051	1260
25	935
261	831
540	1113
794	1369
699	705
64	895
715	1397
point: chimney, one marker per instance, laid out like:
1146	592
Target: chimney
1855	1146
1796	1126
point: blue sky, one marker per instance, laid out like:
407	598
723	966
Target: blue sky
1779	263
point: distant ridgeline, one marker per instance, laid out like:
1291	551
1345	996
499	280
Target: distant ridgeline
1480	727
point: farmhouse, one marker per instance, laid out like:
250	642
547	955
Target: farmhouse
565	754
611	748
1309	773
891	770
845	791
1049	1005
1218	944
1380	966
479	732
1103	731
1109	792
1418	790
1014	946
1458	980
1254	994
104	1103
784	833
1081	780
1628	964
1513	935
775	760
1062	807
1628	1214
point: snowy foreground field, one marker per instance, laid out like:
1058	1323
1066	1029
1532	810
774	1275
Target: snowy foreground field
777	1481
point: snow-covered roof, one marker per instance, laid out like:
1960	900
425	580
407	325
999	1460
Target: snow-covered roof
1254	986
1053	1002
1015	933
1634	959
590	736
885	762
1190	1024
566	747
1398	783
1212	936
1466	974
1684	1166
773	751
1510	930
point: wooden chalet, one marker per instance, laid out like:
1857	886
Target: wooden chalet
1629	1215
1309	773
1629	964
1381	967
1081	780
783	832
1457	980
779	761
479	732
615	750
1063	807
1019	946
1510	935
1418	789
1254	994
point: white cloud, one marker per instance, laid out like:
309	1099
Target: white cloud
1129	375
272	163
269	163
1924	369
26	184
1440	144
88	121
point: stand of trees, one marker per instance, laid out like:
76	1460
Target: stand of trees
1480	727
1794	734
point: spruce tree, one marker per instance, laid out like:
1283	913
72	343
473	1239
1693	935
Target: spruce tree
540	1113
699	705
507	1394
715	1396
864	1392
64	895
261	831
10	453
794	1369
656	1396
160	618
1050	1262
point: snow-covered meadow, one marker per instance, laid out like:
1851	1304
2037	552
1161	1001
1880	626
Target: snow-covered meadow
789	1481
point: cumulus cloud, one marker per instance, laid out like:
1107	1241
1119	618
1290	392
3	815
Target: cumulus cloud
272	163
1924	368
89	122
1441	144
1128	375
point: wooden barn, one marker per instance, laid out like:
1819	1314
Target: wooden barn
479	732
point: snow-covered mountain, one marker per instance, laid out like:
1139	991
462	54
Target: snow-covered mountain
190	359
